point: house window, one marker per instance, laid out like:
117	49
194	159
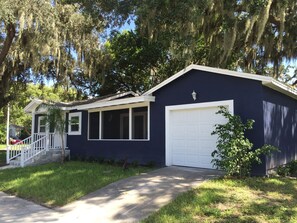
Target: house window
120	124
115	124
41	124
74	127
94	123
139	123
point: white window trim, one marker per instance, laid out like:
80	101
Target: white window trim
75	114
38	127
130	121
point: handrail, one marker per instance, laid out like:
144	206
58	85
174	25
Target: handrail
30	151
32	146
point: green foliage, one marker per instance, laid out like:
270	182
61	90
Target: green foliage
41	40
235	153
2	127
236	34
290	169
2	133
56	119
133	61
17	114
2	156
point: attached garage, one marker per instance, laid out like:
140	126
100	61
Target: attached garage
188	133
181	124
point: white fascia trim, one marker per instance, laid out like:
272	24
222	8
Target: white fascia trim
283	88
123	101
256	77
229	103
32	105
119	96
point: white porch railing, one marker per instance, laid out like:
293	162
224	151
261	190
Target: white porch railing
32	146
30	151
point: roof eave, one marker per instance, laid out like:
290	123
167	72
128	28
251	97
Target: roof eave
32	105
282	88
124	101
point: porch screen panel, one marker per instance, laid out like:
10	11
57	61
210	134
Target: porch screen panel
115	124
139	123
94	120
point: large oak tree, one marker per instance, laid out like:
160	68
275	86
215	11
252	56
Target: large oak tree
236	34
44	39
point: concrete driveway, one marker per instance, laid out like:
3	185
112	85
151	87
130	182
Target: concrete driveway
128	200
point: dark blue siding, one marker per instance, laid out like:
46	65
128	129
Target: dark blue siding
280	120
247	96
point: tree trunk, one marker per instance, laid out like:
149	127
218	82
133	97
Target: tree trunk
10	28
4	88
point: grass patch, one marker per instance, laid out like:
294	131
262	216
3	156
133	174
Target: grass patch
58	184
2	146
224	200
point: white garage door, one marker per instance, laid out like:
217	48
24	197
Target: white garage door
189	141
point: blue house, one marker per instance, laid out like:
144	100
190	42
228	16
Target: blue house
171	124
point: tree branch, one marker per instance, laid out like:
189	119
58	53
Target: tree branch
7	43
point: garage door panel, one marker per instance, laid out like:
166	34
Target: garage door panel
190	136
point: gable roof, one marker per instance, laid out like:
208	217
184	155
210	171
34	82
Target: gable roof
103	101
266	81
93	100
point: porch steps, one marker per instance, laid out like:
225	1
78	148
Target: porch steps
49	156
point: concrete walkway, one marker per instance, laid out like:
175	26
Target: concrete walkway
128	200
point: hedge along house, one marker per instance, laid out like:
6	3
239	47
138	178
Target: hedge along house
171	124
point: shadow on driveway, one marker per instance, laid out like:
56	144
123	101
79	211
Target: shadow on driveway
127	200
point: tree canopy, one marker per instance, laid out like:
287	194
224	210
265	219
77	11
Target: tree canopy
78	43
236	34
42	39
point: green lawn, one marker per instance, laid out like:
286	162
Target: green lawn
2	146
251	200
58	184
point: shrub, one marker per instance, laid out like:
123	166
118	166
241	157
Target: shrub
290	169
2	133
100	160
135	163
234	153
151	164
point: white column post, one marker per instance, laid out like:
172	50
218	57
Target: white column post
33	127
7	135
130	123
7	154
22	157
149	121
7	125
47	137
100	125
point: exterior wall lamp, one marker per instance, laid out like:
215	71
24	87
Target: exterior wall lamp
194	95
